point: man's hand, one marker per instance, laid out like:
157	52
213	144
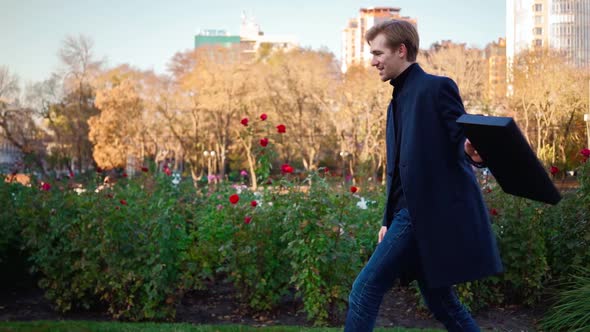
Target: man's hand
471	152
382	232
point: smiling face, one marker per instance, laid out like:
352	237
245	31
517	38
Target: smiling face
389	62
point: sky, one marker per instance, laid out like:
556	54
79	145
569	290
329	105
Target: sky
146	34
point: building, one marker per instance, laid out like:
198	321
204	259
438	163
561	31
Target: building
495	55
212	37
354	47
563	25
10	155
253	39
250	41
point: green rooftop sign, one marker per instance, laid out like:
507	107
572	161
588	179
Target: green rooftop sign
226	41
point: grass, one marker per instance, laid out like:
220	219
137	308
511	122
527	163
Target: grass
572	310
86	326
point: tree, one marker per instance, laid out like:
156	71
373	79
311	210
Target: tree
466	66
360	121
68	119
8	86
114	130
548	100
301	88
217	86
181	111
17	123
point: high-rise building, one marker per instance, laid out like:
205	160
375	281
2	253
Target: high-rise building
354	47
563	25
495	54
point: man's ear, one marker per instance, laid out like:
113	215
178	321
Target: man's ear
403	51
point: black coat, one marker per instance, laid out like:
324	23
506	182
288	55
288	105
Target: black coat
452	226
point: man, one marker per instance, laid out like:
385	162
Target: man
436	228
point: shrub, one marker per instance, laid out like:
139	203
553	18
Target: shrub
13	256
330	239
567	229
572	310
123	247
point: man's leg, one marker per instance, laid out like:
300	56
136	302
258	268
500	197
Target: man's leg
390	258
446	308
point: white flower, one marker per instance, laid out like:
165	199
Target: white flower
362	204
79	191
240	188
175	179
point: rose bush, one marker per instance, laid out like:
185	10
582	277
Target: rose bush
138	245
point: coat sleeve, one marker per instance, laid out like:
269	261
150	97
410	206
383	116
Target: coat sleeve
451	108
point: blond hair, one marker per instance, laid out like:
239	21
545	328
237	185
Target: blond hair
397	32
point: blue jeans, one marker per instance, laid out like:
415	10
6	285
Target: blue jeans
394	255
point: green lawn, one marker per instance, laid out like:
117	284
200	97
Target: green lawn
83	326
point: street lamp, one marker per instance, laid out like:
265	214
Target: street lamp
209	155
587	120
343	155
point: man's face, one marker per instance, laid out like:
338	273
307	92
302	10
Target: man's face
389	62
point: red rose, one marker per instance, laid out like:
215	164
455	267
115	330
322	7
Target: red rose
554	170
286	168
234	199
281	129
144	169
254	203
585	152
244	121
167	171
494	212
71	174
263	116
45	186
124	175
264	142
354	189
123	202
247	220
98	170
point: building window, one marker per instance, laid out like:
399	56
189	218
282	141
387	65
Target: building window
538	20
538	31
538	7
538	42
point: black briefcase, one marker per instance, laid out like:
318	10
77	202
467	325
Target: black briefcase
508	155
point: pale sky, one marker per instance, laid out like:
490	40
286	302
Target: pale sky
146	34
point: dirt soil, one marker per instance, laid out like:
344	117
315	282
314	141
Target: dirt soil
217	305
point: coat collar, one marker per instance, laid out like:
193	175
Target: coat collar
414	72
398	82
